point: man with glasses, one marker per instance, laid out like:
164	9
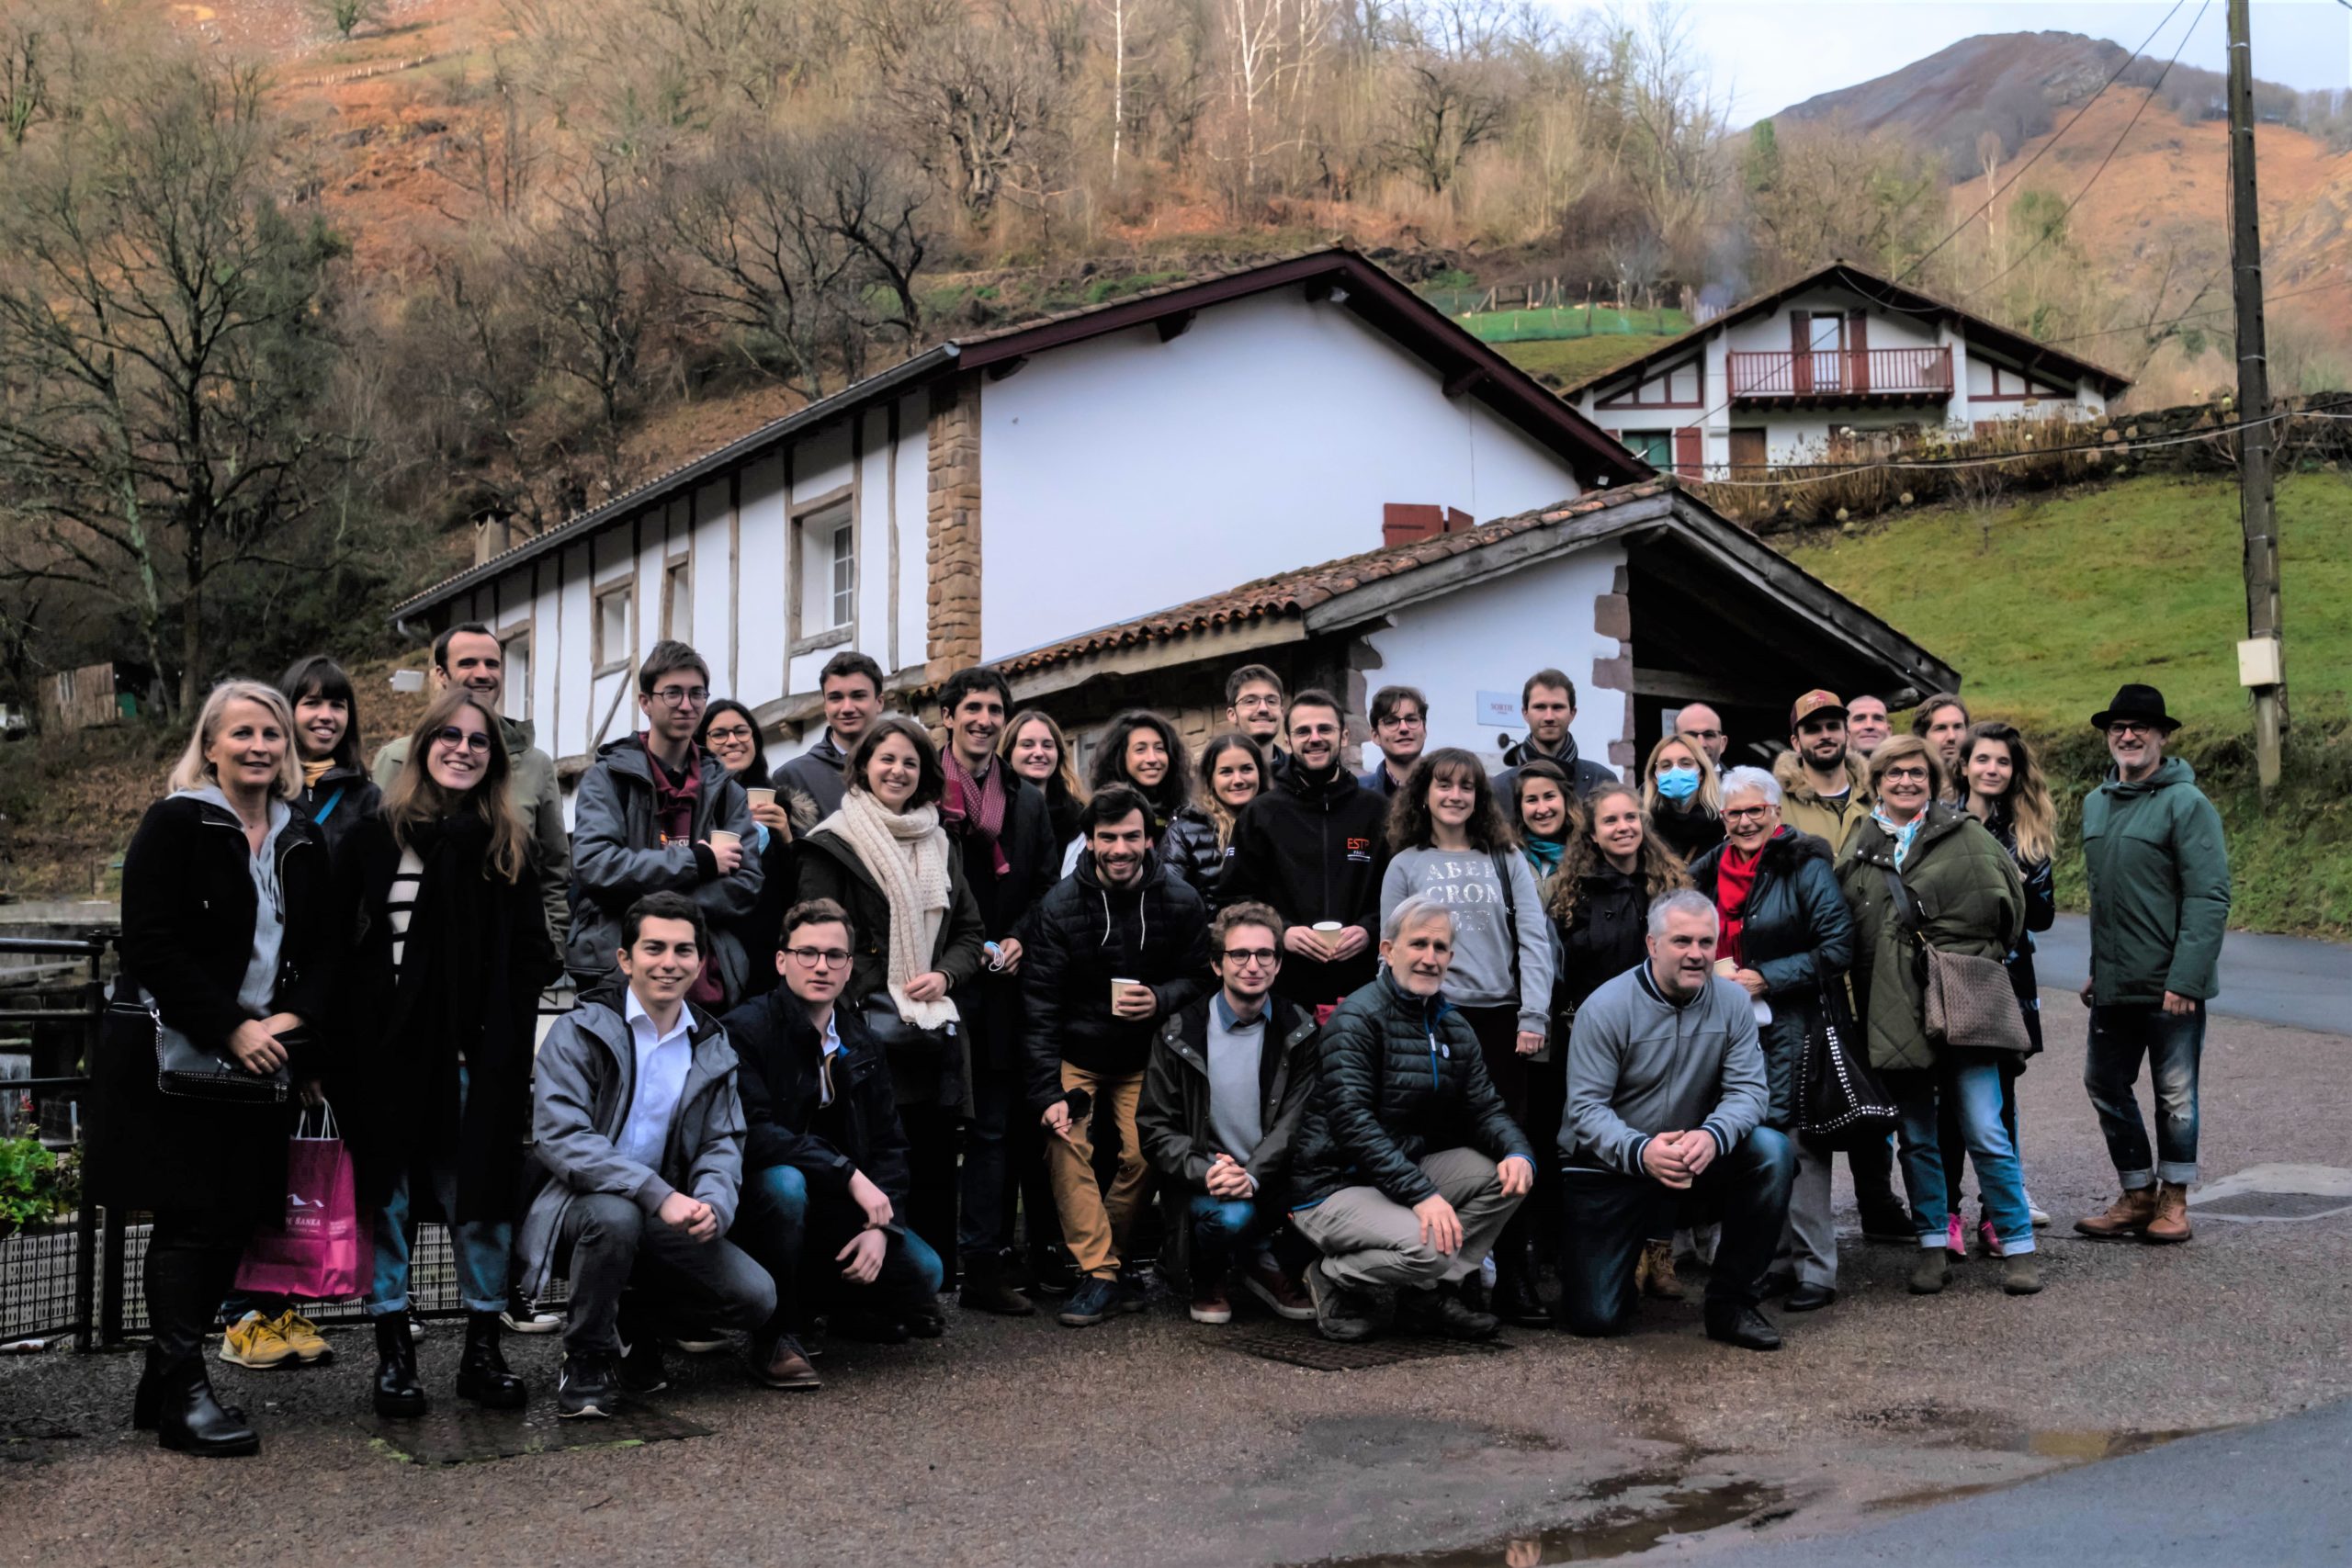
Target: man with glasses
654	814
1400	727
1222	1097
1253	704
825	1174
2159	874
1702	721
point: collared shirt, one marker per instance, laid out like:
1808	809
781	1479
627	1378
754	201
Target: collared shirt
832	1045
662	1063
1235	1052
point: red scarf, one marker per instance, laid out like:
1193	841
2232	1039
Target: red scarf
1735	877
974	808
673	817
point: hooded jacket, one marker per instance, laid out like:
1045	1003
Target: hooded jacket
1315	850
815	782
618	857
778	1050
2159	874
1971	901
586	1079
1172	1118
1803	808
1796	931
531	784
1083	935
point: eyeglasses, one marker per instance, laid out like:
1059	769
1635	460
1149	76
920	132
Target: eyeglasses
474	740
1705	734
1918	776
1402	721
818	957
1747	813
2132	726
1246	956
731	732
683	697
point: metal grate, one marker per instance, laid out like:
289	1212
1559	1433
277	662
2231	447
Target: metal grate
1304	1348
448	1434
37	1284
2275	1206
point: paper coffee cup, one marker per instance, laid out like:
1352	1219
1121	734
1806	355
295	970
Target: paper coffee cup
762	796
1119	985
1328	927
1726	968
721	836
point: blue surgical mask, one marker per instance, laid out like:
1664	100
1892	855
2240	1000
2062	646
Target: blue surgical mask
1677	783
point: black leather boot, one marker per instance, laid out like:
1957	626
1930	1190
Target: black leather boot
1515	1300
483	1376
987	1287
398	1392
189	1420
147	1401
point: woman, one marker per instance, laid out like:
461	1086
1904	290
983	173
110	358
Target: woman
2007	793
229	948
437	1016
1447	841
337	791
1541	809
1685	801
1034	744
1960	892
1200	840
884	858
731	735
1599	905
1141	749
1788	939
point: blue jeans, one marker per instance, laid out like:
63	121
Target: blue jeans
1225	1226
482	1247
2121	1035
794	1233
1974	1086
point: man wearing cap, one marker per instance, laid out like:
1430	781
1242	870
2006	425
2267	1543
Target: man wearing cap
2159	874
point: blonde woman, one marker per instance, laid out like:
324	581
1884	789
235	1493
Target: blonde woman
1683	796
1037	748
1200	840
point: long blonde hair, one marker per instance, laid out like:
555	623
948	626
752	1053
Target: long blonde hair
1064	768
194	770
1221	816
1711	789
415	798
2033	821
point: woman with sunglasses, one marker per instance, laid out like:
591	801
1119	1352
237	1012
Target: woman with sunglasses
437	1016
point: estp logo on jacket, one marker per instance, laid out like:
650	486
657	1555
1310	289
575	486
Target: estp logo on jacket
1359	850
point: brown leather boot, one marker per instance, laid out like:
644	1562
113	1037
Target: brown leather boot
2171	1221
2127	1215
1656	1272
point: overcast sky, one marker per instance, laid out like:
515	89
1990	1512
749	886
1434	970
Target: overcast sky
1768	54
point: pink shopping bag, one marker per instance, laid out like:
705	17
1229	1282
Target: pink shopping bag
315	1255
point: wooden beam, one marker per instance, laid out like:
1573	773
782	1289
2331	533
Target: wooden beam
1004	369
1686	687
1462	380
1163	653
1171	328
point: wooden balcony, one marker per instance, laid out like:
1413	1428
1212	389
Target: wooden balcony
1884	376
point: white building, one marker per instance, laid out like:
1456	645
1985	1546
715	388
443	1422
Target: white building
1839	366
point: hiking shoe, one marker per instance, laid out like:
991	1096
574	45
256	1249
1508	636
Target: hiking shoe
1137	1283
1096	1298
1210	1303
1051	1272
1339	1314
588	1386
1440	1313
2127	1215
988	1287
1955	1237
1931	1273
2022	1275
1283	1296
523	1316
303	1335
1654	1273
1728	1324
2170	1222
781	1363
254	1341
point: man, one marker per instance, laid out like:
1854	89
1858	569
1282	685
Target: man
1253	704
1701	721
2159	874
1665	1127
1942	722
654	814
998	821
471	657
640	1134
1823	784
1867	724
813	782
1400	727
1548	703
825	1159
1314	844
1115	944
1222	1097
1408	1165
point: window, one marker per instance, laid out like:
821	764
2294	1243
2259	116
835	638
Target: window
518	650
828	566
678	600
844	577
612	635
1655	447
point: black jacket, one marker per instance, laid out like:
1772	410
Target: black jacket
1604	938
1400	1078
778	1052
812	784
1688	834
347	795
1315	850
1172	1118
189	906
1797	932
1081	936
1191	851
991	1001
1377	781
1584	776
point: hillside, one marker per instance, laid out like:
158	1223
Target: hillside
2009	84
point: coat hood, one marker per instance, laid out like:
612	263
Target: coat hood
1790	773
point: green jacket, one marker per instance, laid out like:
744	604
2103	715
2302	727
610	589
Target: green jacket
1971	901
2160	886
1803	808
539	800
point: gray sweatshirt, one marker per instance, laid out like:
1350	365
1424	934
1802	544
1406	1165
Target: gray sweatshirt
1640	1065
1465	883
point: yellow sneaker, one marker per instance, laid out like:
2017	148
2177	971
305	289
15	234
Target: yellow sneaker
302	1335
254	1341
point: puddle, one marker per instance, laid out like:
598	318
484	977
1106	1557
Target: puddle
1684	1510
2079	1444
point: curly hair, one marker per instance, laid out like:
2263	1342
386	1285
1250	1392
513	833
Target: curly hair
1175	791
1657	869
1409	824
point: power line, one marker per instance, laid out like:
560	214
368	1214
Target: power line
2198	315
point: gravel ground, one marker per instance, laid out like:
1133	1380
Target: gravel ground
1148	1440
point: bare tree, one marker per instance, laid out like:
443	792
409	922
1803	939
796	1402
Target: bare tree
980	114
44	52
1448	107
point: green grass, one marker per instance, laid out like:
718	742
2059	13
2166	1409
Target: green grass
1573	358
1572	322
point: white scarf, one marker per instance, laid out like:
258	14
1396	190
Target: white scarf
906	853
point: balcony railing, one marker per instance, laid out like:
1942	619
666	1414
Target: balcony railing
1834	374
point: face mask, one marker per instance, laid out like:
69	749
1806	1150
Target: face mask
1677	783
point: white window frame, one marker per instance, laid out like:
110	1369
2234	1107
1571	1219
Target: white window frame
822	528
608	659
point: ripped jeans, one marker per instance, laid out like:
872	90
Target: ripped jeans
2121	1035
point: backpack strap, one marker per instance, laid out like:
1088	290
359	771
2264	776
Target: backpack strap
1511	917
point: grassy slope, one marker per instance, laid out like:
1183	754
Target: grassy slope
2066	597
1573	358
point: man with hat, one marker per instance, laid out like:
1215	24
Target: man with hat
2159	874
1822	788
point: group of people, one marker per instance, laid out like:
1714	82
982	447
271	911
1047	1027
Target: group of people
921	1009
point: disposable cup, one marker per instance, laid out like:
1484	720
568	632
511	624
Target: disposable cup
1118	988
721	836
762	796
1329	928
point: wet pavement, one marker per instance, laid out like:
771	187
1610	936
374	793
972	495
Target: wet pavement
1153	1440
2300	982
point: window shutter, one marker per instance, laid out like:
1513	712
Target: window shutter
1801	351
1857	350
1689	453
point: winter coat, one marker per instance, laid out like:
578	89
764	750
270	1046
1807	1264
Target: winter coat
1399	1077
1970	902
618	857
347	796
531	784
2041	914
1803	808
1376	779
189	907
1191	851
2159	874
991	1002
1083	935
813	783
1315	850
1688	834
1796	931
1607	936
587	1080
778	1050
829	868
1172	1120
476	958
1584	775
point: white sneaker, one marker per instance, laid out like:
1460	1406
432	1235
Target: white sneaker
521	1317
2033	1211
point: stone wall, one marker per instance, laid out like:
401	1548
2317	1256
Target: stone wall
953	526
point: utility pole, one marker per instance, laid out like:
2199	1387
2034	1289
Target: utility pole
2261	657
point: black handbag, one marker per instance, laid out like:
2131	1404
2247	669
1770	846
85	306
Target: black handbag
1840	1102
184	1070
905	1045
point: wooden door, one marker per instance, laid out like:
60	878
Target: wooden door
1748	453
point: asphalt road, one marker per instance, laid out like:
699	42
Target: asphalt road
2287	980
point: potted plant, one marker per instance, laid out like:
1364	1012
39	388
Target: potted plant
34	1185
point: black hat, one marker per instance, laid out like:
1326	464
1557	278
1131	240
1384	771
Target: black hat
2142	704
